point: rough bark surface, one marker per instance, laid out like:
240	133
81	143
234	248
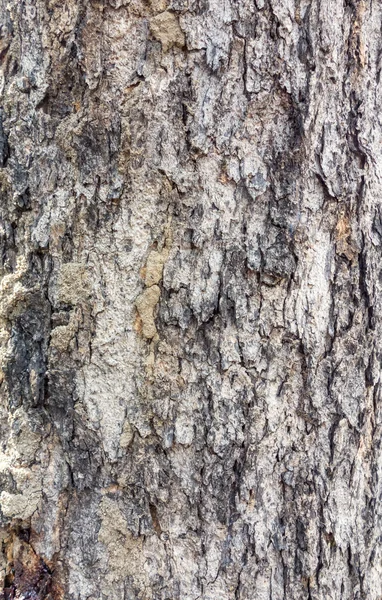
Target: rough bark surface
191	299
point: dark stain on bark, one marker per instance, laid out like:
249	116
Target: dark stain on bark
28	576
4	147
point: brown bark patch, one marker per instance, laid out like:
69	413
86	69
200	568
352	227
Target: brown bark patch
27	575
344	243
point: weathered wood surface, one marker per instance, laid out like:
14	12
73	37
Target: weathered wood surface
190	299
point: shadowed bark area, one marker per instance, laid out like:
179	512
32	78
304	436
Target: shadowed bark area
190	300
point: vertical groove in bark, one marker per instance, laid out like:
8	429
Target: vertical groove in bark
190	306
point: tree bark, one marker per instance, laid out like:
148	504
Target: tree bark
190	299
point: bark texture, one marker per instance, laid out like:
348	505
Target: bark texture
191	299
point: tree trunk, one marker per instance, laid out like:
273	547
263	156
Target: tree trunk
191	299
